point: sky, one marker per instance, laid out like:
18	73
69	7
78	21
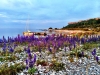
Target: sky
41	14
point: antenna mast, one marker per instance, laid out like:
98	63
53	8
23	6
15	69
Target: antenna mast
27	24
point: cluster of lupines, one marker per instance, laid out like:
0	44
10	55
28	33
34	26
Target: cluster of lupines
30	61
95	56
52	43
8	48
52	39
8	56
94	52
57	41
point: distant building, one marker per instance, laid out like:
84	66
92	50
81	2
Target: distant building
72	22
97	18
50	29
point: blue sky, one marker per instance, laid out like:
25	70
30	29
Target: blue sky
46	13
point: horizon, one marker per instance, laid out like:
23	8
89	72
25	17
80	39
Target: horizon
46	13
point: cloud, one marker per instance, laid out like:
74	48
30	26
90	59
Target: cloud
35	21
1	15
47	12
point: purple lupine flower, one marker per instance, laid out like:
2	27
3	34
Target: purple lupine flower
15	46
46	38
11	50
8	39
74	45
31	63
59	44
82	53
65	49
97	59
28	50
3	38
8	47
26	61
4	44
25	49
57	47
49	49
70	48
29	56
1	41
4	47
27	67
94	52
82	40
34	59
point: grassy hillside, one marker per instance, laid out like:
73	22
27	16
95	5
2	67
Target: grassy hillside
91	23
